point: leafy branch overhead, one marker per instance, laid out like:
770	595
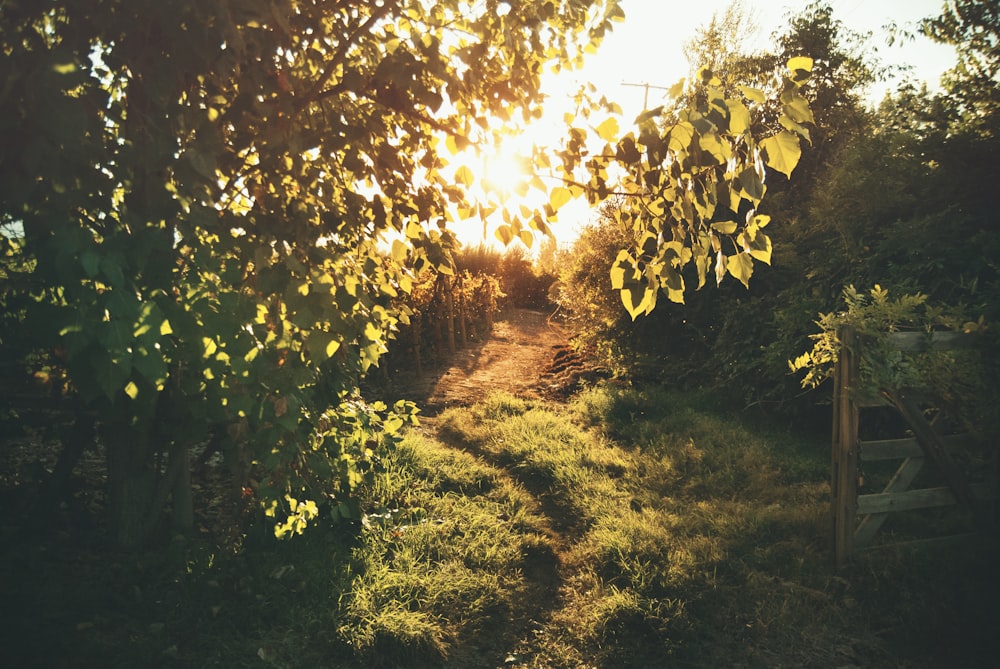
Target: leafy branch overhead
689	183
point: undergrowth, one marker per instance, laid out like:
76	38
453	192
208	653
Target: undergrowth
629	528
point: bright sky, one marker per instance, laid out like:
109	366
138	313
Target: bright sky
648	47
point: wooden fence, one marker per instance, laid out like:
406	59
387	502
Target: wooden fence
857	518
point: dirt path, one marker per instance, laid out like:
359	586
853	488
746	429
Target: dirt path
518	358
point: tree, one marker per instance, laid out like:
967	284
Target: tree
209	207
973	28
194	194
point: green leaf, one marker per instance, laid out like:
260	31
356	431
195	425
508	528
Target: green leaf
741	267
322	345
797	109
110	373
725	227
751	185
91	263
782	152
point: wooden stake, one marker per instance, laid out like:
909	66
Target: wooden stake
844	472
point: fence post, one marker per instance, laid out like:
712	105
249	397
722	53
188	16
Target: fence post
449	306
844	470
418	362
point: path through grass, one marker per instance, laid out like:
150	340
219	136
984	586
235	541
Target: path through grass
629	528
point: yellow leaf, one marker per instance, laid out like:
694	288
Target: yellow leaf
725	227
399	250
210	346
464	176
558	197
741	267
739	117
800	63
753	94
132	390
505	234
608	131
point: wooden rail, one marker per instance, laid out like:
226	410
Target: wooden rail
925	447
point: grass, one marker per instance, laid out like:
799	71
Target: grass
629	528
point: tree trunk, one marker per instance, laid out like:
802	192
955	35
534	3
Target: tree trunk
180	494
132	485
80	437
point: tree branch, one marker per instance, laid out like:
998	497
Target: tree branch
341	52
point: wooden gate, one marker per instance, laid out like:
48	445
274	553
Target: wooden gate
857	518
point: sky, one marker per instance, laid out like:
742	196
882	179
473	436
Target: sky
648	48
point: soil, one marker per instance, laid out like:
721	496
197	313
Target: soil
528	355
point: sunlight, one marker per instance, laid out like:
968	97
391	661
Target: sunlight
506	172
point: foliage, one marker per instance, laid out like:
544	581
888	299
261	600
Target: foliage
593	309
895	196
873	316
689	178
973	28
198	191
959	382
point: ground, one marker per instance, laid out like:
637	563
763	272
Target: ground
528	355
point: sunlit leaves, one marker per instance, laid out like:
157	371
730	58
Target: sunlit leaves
464	176
740	266
687	176
636	294
558	197
782	152
800	68
608	129
752	94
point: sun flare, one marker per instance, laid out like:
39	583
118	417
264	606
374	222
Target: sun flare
506	173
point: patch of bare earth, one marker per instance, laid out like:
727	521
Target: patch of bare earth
527	355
